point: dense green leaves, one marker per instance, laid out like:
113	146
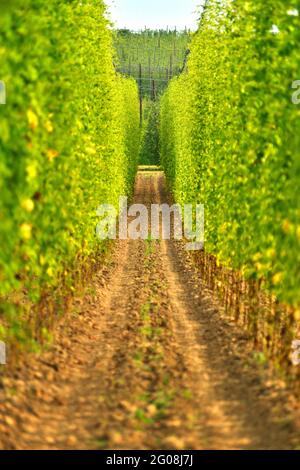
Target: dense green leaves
149	151
230	138
69	139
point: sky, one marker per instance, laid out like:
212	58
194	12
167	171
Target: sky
154	14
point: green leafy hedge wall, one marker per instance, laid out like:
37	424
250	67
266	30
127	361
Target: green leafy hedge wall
69	141
230	138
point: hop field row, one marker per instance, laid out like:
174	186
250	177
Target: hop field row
230	140
69	140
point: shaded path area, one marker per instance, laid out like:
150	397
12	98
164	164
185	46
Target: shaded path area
147	361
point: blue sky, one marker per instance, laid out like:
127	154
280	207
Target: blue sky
136	14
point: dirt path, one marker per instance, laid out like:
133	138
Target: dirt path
147	361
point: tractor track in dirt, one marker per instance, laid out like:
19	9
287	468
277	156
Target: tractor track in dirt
147	361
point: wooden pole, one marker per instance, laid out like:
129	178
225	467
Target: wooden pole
153	90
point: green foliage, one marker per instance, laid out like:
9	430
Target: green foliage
161	55
230	138
69	140
149	152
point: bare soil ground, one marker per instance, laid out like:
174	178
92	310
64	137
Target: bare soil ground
147	360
